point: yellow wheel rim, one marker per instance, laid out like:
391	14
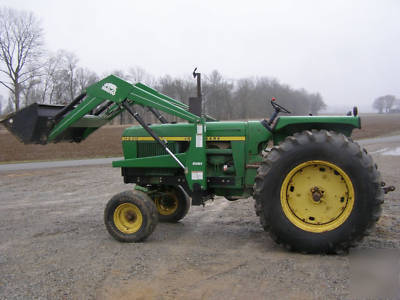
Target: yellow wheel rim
128	218
317	196
167	204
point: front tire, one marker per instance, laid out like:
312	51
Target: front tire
130	216
318	192
172	203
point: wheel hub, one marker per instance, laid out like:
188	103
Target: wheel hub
130	216
316	194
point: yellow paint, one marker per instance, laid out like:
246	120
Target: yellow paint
128	218
336	202
149	138
183	138
226	138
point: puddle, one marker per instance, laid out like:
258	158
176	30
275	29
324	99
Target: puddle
380	151
387	151
395	151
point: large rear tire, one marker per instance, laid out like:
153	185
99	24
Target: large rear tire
130	216
318	192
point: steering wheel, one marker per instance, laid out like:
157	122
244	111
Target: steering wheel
279	108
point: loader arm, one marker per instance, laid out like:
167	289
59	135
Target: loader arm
101	102
118	91
169	99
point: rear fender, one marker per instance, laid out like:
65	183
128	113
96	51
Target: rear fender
287	126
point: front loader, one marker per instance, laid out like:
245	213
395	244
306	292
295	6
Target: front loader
315	189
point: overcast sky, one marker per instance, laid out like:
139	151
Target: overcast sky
349	51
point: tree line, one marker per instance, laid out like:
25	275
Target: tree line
32	74
387	104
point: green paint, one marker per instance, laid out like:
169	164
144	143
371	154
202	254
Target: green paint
141	188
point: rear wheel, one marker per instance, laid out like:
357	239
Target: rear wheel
318	192
172	203
317	196
130	216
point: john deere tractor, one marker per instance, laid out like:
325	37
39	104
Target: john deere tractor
315	189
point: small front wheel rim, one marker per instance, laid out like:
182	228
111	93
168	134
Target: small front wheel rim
317	196
128	218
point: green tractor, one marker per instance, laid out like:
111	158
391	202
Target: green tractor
315	189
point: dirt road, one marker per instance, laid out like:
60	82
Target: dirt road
53	245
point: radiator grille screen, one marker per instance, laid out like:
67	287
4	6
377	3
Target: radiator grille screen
145	149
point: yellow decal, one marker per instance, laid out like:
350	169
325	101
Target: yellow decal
183	138
226	138
149	138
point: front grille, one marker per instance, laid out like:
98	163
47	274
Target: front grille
145	149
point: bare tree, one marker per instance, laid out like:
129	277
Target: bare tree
51	67
83	78
389	102
20	47
178	88
28	90
379	104
61	82
71	63
316	103
218	96
166	86
384	103
138	74
9	108
243	97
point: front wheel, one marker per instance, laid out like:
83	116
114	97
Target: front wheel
172	203
318	192
130	216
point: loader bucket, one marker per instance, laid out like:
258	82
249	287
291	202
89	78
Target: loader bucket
33	124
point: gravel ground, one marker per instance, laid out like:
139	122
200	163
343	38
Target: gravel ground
53	245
